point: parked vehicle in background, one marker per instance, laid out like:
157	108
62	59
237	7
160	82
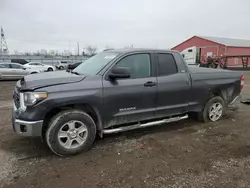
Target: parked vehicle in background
39	66
74	65
119	90
13	71
61	65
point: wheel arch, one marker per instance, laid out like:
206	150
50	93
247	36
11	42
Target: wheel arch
87	108
226	93
216	92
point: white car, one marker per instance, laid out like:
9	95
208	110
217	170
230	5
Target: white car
63	64
39	66
14	71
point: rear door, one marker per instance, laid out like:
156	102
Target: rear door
173	86
35	66
40	66
132	99
18	71
5	71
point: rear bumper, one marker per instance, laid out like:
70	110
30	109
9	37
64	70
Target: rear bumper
234	105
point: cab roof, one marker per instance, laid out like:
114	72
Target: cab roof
131	50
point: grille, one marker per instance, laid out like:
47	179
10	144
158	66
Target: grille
16	98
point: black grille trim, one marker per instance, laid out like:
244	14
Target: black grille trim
16	98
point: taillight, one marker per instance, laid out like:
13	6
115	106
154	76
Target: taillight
242	79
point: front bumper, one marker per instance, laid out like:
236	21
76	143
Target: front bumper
234	105
26	128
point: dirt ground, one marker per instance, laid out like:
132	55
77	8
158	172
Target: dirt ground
182	154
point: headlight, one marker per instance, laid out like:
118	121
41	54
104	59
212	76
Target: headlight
30	98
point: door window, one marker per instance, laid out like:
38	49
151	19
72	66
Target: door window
36	64
15	66
138	64
167	65
4	66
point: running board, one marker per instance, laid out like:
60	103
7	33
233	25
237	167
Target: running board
137	126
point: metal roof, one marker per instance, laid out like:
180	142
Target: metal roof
228	41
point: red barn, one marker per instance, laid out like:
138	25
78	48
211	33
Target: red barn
215	46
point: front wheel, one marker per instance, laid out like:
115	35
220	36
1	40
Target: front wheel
213	110
70	132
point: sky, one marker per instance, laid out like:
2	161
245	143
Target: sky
31	25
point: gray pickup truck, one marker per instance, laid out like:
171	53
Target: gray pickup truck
119	90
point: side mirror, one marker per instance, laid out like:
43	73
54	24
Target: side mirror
121	72
24	68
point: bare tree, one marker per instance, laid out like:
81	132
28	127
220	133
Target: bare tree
89	50
107	47
43	52
128	47
16	52
57	53
37	53
27	53
51	52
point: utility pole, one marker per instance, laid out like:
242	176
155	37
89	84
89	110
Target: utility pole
3	48
78	48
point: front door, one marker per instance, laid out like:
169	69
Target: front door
131	99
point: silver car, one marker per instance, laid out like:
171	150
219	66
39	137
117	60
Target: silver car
14	71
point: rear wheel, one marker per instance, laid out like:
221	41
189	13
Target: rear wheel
50	69
70	132
213	110
61	67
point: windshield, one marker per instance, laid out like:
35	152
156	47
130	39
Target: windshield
94	64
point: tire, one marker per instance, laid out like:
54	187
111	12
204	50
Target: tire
206	112
63	120
50	69
61	68
213	66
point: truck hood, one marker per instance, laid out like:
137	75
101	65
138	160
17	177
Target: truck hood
40	80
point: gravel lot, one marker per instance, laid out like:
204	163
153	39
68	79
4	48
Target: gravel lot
182	154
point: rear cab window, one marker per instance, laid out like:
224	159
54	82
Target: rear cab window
166	64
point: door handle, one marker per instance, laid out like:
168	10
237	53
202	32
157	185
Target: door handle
149	84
